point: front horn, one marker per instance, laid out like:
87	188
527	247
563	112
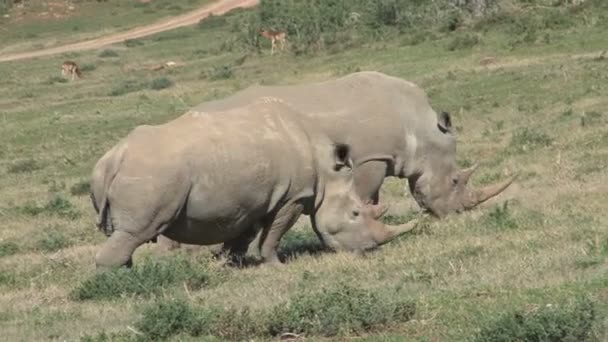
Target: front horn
478	196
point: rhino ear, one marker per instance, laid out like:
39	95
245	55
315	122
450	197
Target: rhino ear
342	156
444	122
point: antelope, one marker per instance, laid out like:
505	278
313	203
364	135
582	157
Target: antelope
70	67
274	36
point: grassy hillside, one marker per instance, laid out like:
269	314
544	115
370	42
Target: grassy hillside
40	24
527	90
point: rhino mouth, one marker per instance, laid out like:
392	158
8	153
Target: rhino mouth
467	198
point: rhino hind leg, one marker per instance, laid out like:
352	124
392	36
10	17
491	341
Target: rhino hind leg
368	180
117	250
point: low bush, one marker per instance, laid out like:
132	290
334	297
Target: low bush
145	279
549	323
339	310
161	83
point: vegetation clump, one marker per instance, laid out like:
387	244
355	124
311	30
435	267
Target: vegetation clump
549	323
145	279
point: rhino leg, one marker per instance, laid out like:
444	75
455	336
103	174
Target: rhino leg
167	244
236	249
117	250
273	231
368	180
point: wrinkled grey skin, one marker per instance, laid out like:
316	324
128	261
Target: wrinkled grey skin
206	179
393	131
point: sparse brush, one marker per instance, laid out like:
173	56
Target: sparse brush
161	83
145	279
341	309
549	323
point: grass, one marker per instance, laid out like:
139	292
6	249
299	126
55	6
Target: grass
492	269
37	24
549	323
147	279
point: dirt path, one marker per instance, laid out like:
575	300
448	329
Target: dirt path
217	8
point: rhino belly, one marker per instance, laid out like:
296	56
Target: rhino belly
212	217
206	232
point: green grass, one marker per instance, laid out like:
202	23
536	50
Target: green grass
147	279
539	109
34	25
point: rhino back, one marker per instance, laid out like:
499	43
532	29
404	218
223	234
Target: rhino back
373	112
237	166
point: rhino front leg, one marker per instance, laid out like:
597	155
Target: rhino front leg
273	231
368	180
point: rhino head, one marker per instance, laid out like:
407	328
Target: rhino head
341	219
437	184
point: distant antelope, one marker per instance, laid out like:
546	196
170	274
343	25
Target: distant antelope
70	67
274	36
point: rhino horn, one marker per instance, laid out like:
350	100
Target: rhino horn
385	233
466	174
479	196
378	210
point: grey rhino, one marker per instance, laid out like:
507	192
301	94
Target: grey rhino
393	131
206	179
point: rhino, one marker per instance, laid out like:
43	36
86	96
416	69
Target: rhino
393	132
206	179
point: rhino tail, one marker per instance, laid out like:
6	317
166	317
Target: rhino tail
104	175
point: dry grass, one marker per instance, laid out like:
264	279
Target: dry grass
547	247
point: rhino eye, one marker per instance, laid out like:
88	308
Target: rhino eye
454	181
355	213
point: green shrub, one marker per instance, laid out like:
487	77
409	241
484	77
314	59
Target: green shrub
549	323
24	166
52	240
161	83
164	319
171	317
81	188
148	278
108	53
300	242
8	248
339	310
